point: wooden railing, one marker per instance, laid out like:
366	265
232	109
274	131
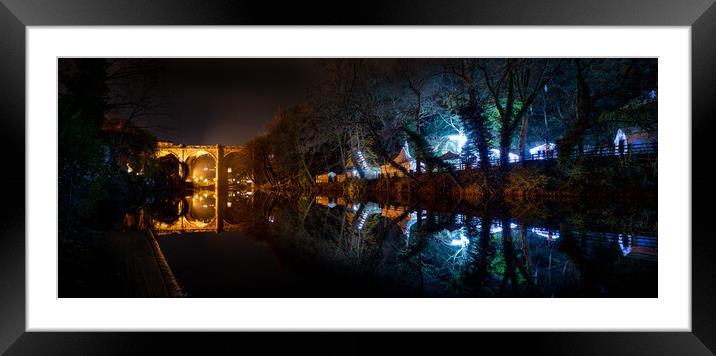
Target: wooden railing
643	149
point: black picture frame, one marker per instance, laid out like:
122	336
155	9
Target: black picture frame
700	15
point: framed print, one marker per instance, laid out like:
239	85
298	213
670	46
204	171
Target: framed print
519	171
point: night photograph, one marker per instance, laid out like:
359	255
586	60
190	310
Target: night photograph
357	177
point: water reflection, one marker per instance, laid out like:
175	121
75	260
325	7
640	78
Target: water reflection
328	247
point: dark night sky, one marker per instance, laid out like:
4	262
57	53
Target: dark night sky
227	101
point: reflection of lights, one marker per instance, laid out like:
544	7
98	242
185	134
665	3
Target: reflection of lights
228	204
206	206
271	219
228	170
249	181
129	168
206	168
411	221
624	245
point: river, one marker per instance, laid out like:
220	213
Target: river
248	244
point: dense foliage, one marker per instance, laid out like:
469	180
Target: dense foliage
105	160
367	109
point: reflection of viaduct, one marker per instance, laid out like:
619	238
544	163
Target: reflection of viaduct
199	213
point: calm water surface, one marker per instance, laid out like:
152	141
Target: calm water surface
254	245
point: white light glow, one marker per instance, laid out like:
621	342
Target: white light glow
545	233
494	152
625	244
620	138
460	139
411	221
537	149
462	242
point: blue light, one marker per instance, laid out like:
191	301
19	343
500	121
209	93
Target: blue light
625	244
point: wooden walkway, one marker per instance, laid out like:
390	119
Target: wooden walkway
144	272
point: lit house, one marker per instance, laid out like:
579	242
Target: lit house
403	159
326	177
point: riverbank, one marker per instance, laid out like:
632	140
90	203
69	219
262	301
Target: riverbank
115	264
600	178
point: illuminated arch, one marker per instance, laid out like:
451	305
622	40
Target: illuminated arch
194	153
233	149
